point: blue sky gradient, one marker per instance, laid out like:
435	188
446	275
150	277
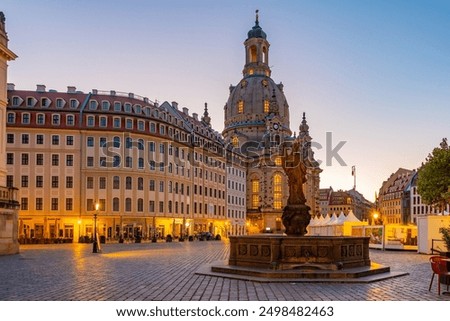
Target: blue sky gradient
375	74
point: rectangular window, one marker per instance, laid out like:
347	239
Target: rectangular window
25	118
54	204
90	183
25	139
69	204
69	140
25	159
90	161
103	121
40	119
10	180
129	124
55	160
116	123
55	181
161	206
10	158
55	140
90	121
24	203
69	181
55	120
39	139
69	160
152	185
151	207
39	159
70	120
90	141
24	181
39	181
39	203
102	183
10	138
161	186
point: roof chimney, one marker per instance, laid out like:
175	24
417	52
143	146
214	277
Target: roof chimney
195	116
175	105
71	89
11	86
40	88
186	111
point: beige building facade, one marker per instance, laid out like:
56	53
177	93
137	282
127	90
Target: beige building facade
152	169
8	194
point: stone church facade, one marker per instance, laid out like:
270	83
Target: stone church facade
257	125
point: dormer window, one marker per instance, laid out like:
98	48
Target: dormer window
45	102
16	101
105	105
74	103
93	105
127	107
117	106
137	109
60	103
31	101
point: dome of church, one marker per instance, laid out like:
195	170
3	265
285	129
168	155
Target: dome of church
256	102
254	99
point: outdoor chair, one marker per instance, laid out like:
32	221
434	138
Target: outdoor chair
439	267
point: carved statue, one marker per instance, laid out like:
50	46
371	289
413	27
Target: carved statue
295	170
296	215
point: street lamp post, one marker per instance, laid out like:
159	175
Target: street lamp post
95	248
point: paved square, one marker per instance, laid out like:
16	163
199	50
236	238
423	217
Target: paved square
166	272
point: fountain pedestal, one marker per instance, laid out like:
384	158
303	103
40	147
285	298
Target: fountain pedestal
299	252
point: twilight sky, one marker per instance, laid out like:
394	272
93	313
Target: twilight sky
375	74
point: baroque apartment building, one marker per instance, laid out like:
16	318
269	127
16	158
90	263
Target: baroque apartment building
152	169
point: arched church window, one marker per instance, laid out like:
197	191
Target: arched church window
265	56
240	106
253	54
266	106
255	193
277	191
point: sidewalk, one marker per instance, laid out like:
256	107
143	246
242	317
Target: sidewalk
166	272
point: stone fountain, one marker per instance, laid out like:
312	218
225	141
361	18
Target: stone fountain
294	256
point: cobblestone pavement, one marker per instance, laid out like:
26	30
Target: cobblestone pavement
166	272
